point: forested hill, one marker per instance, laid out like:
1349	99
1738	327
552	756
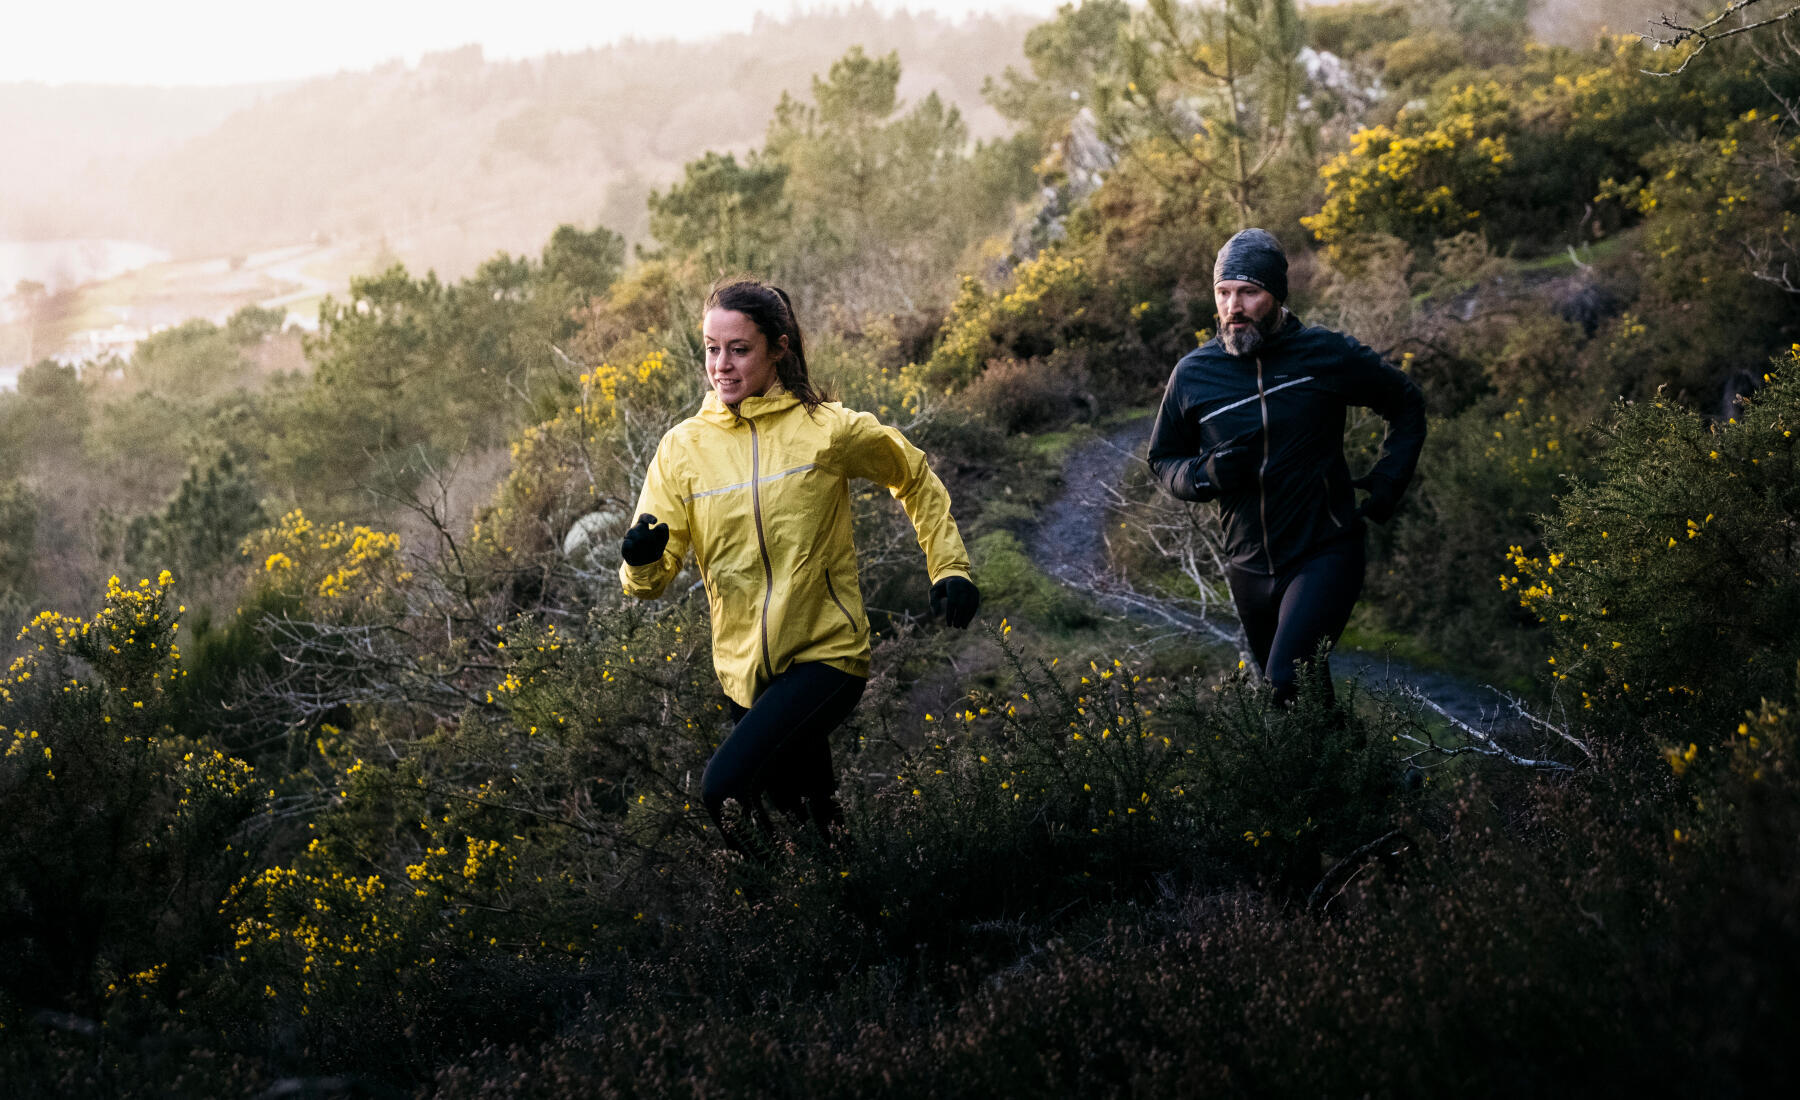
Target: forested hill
494	154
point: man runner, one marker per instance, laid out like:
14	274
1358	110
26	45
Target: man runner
1254	419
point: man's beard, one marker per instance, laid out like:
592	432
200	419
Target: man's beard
1245	340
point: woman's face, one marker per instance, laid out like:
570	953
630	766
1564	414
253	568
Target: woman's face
739	361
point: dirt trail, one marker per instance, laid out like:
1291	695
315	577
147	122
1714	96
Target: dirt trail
1070	545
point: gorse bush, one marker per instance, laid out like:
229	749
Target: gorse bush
1050	306
533	837
1429	179
324	566
1669	583
112	814
1483	481
587	455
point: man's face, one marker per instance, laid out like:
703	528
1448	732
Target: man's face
1246	312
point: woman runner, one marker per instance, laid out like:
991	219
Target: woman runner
758	485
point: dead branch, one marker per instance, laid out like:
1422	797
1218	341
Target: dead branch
1517	706
1385	848
1674	34
1481	743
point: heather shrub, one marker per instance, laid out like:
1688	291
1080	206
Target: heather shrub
1025	928
1031	394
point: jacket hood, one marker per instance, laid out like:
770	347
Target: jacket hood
717	412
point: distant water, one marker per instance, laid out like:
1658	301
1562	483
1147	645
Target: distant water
60	265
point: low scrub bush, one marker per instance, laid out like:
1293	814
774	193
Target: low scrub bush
1485	477
122	832
1668	584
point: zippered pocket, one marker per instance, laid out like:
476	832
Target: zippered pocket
1326	478
831	591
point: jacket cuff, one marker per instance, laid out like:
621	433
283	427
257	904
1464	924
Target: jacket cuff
1193	475
642	580
951	571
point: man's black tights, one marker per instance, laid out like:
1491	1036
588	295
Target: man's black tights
1285	617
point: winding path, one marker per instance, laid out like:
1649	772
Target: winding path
1070	545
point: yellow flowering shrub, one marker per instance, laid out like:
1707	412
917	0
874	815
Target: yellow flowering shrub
337	568
1052	301
535	831
1670	581
1427	177
588	454
111	811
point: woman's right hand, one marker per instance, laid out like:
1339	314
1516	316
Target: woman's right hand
645	542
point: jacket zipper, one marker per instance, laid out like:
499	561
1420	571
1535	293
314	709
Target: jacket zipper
1262	472
762	545
832	592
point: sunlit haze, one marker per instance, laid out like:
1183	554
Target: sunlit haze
211	42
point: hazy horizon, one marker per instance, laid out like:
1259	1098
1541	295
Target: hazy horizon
210	43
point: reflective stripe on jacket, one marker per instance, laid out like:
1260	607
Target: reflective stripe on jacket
762	495
1295	389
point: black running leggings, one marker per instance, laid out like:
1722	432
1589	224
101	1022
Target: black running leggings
779	748
1286	616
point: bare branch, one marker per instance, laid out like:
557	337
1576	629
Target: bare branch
1481	742
1517	706
1706	33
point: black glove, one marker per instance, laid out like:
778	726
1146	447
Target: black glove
1230	466
956	599
1383	498
644	543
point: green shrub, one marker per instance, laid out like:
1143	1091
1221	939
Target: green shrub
1484	478
120	829
1012	585
1668	583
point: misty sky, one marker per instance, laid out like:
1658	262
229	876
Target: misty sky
185	42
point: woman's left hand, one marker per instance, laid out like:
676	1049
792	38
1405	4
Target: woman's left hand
956	599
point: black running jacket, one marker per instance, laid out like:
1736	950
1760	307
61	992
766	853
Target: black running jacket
1295	388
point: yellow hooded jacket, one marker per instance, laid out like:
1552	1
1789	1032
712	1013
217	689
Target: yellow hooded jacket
763	497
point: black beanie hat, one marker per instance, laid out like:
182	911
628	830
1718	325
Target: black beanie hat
1254	256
